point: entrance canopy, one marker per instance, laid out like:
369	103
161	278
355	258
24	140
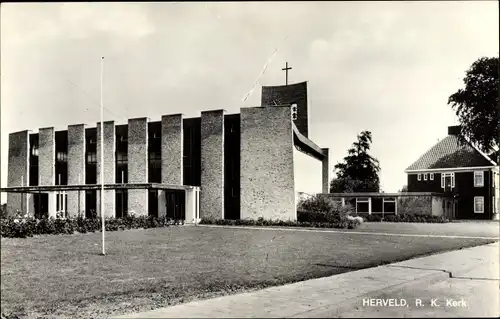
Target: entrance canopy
48	188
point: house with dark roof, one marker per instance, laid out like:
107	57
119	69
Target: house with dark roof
468	178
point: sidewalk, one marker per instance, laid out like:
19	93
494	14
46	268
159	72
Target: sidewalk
471	275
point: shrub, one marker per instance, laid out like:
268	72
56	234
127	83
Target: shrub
322	209
343	222
406	218
27	227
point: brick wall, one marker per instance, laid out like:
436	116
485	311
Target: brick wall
46	164
76	168
325	170
172	149
267	175
109	167
17	173
212	164
138	165
46	156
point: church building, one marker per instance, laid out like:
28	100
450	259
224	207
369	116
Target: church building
218	165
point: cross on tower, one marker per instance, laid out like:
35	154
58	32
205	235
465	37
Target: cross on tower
286	72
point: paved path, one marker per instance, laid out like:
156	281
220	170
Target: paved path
388	229
474	279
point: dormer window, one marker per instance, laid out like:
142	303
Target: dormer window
478	179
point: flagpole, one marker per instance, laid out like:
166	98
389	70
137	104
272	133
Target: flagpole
102	160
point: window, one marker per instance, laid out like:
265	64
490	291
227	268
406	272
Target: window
431	176
479	179
362	205
479	204
419	177
389	205
91	158
425	176
493	204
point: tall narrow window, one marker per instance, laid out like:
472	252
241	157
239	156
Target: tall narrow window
478	179
479	204
154	152
419	177
425	176
121	154
431	176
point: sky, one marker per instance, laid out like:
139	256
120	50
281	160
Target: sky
386	67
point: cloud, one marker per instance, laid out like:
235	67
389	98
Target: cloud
116	19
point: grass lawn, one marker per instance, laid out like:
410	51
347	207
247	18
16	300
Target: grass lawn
145	269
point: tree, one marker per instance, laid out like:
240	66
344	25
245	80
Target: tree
359	170
477	104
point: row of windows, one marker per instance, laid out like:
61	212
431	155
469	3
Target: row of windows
431	176
448	179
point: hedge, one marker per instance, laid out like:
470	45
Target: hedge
404	218
341	223
27	227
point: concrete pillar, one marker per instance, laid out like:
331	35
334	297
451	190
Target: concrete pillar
18	169
138	165
162	202
76	169
108	167
325	171
267	164
172	146
191	205
212	164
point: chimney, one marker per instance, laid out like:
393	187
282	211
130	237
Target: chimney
454	130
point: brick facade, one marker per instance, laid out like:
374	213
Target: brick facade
325	171
109	167
76	168
212	164
138	165
46	164
17	174
172	149
267	167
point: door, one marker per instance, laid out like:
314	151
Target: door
174	200
121	203
455	208
41	205
90	204
153	203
